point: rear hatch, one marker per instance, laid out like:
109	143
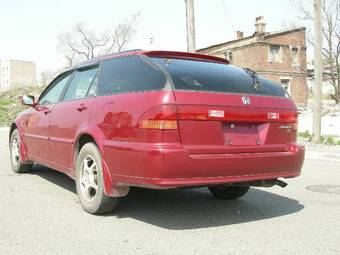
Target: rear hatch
225	109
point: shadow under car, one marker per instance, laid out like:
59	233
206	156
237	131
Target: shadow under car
180	209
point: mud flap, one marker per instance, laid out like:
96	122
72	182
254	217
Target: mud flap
110	187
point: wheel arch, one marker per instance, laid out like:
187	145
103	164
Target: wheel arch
23	147
96	136
80	141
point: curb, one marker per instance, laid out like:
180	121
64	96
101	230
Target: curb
333	157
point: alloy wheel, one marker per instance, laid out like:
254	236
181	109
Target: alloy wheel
15	151
89	178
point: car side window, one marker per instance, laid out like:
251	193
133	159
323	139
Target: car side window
129	74
81	83
92	91
53	94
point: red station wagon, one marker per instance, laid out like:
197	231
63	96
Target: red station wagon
160	120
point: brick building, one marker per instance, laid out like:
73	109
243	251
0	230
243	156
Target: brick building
17	73
278	56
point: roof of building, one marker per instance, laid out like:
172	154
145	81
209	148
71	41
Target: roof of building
16	60
266	35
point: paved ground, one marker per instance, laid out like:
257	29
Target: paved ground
40	214
330	124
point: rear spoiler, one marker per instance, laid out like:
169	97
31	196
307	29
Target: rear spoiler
185	55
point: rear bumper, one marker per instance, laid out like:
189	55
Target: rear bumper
171	166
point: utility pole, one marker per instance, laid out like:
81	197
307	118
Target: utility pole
190	25
317	90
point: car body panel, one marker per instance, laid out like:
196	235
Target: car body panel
118	123
173	166
232	133
67	119
36	131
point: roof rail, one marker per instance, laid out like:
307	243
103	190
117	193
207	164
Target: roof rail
96	59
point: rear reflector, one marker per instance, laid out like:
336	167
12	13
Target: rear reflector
159	124
273	115
216	113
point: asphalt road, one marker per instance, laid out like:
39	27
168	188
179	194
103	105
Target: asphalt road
40	214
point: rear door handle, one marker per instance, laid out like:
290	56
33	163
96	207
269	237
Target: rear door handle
81	107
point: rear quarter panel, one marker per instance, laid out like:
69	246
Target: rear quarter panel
116	119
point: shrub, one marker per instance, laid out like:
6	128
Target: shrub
305	134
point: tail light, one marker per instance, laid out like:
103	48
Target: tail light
291	117
162	117
165	117
193	112
295	125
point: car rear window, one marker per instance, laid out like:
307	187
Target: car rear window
215	77
129	74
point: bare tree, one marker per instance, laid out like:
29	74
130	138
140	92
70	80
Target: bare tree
46	76
123	34
331	36
83	43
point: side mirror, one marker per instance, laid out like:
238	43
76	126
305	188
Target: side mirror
28	100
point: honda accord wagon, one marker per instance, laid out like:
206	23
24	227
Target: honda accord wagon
159	120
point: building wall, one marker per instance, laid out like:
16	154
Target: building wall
5	77
255	55
296	82
296	73
287	42
218	49
16	73
23	74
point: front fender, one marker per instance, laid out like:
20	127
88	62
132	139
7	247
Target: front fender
18	124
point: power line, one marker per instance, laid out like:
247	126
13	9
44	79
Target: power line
228	16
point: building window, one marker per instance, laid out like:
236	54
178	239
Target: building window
275	53
285	82
294	56
228	55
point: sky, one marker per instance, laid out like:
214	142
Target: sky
29	29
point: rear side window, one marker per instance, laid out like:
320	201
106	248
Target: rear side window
215	77
129	74
80	84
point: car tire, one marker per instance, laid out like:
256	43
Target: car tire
228	192
90	182
18	166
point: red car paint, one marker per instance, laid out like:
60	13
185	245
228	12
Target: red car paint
214	137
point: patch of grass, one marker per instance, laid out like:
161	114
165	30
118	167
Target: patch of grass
305	135
10	105
5	101
329	139
325	139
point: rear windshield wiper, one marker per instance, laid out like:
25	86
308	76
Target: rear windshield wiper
254	76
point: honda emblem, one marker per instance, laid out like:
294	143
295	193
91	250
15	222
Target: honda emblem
246	100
